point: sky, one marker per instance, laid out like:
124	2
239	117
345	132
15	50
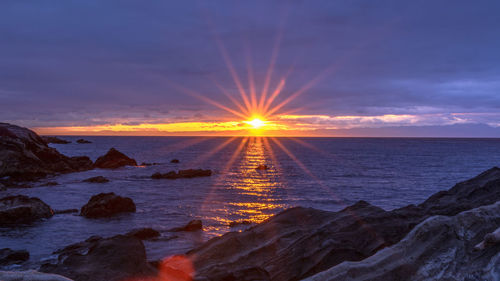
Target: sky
338	68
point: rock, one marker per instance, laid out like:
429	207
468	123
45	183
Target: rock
102	259
262	167
50	183
56	140
8	256
114	159
175	161
23	209
193	225
238	223
144	233
300	242
149	164
489	240
30	275
106	205
98	179
66	211
82	141
440	248
24	156
191	173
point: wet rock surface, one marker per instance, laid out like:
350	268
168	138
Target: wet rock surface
193	225
30	275
9	256
106	205
22	209
300	242
98	179
190	173
114	159
56	140
25	156
144	233
102	259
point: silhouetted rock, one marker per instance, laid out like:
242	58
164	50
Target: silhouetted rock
300	242
262	167
149	164
56	140
50	183
144	233
24	156
440	248
102	259
106	205
22	209
98	179
66	211
8	256
238	223
175	161
82	141
193	225
114	159
191	173
30	275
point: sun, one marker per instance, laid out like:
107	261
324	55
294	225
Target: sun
256	123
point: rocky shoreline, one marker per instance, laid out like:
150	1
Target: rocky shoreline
449	236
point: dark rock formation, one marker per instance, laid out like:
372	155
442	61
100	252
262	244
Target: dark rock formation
114	159
300	242
22	209
149	164
191	173
98	179
82	141
102	259
66	211
440	248
8	256
56	140
50	183
175	161
193	225
489	240
262	167
238	223
24	156
143	233
106	205
30	275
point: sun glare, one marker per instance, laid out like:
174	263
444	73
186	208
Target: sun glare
256	123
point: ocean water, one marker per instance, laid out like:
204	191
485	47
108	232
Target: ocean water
323	173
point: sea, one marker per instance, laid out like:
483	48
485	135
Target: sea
322	173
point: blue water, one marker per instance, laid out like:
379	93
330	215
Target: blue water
324	173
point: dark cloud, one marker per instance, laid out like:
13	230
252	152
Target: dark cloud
92	62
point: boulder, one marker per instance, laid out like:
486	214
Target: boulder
193	225
175	161
30	275
24	156
98	179
8	256
144	233
440	248
102	259
300	242
82	141
22	209
191	173
114	159
55	140
106	205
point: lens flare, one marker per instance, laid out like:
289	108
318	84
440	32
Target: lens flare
256	123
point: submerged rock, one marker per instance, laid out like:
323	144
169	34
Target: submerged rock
193	225
65	211
98	179
9	256
30	275
300	242
262	167
102	259
114	159
191	173
144	233
238	223
23	209
106	205
82	141
440	248
25	156
175	161
49	139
